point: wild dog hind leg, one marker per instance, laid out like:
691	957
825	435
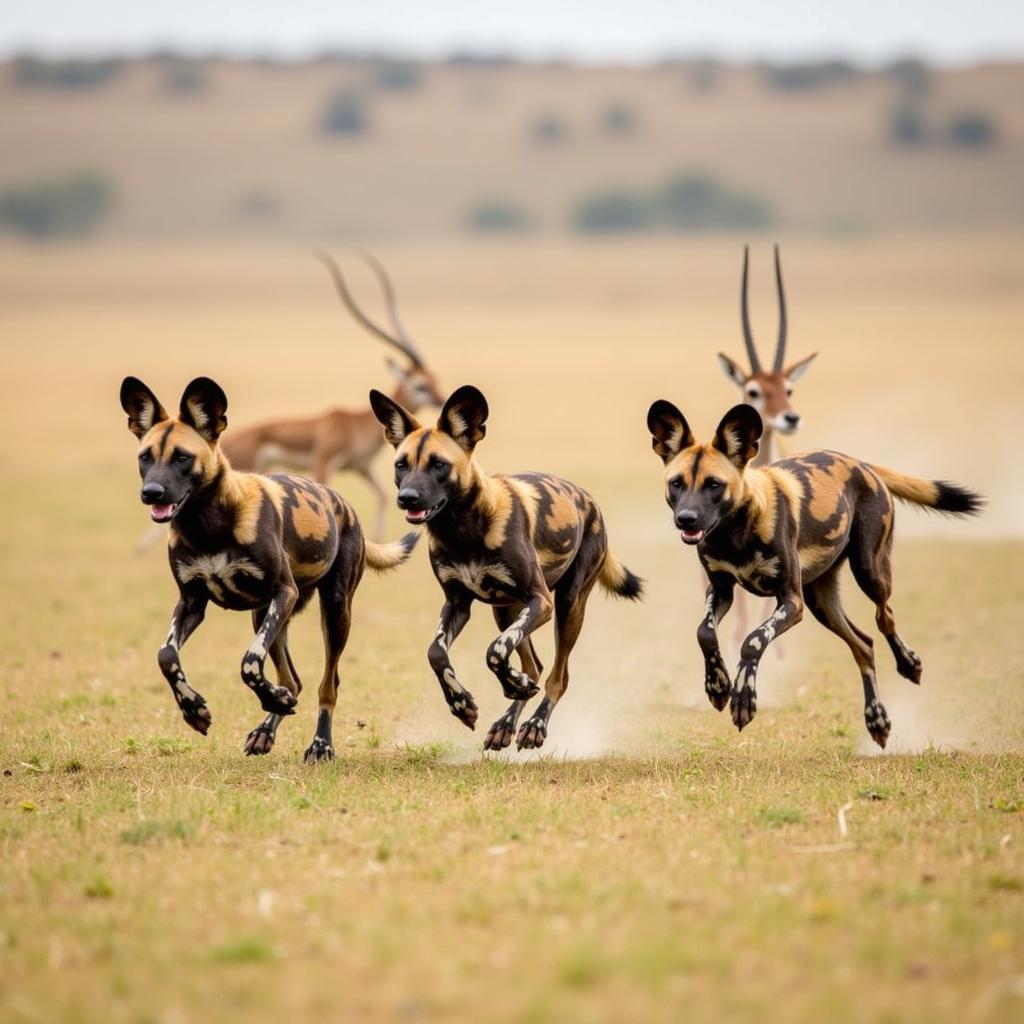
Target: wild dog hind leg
454	616
188	614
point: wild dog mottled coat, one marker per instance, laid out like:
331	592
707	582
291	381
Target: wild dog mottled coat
784	531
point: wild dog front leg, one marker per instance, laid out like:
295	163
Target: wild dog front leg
717	684
188	614
454	616
517	685
277	700
788	612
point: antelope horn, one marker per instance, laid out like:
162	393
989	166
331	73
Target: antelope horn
780	347
402	342
406	343
748	337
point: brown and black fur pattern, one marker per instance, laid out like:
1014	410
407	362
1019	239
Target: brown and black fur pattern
784	532
531	546
262	544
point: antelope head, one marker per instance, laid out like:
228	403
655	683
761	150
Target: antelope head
768	391
417	385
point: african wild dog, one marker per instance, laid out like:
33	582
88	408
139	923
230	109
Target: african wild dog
528	545
248	543
783	532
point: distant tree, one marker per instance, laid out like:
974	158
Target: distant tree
549	129
912	74
619	119
498	216
907	126
345	113
396	75
972	130
808	75
612	211
183	77
66	207
694	202
36	72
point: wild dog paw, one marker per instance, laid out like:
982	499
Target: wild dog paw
908	664
717	684
518	686
877	720
319	750
276	700
196	713
743	706
532	734
501	734
261	739
463	707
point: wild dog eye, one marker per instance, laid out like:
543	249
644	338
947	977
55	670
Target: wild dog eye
402	463
439	464
182	457
675	483
712	484
145	457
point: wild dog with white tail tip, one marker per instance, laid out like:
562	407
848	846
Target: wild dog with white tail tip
248	543
784	531
529	545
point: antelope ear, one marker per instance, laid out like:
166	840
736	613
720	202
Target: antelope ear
204	407
464	415
143	407
670	433
398	423
732	370
399	372
738	433
797	370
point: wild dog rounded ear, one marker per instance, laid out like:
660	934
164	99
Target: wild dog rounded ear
143	407
670	433
204	407
398	423
464	415
738	433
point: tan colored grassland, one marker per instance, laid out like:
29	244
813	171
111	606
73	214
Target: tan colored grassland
183	165
653	864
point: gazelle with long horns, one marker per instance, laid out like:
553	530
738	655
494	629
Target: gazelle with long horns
768	391
342	439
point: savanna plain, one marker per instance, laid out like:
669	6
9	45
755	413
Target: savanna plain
649	864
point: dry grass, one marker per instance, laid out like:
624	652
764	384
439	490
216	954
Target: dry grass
652	864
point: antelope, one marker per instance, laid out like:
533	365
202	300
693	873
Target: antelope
769	392
342	439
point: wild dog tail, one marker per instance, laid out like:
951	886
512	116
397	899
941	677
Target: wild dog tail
935	494
618	580
381	557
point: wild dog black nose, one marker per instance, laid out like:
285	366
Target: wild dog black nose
792	418
686	520
152	493
408	498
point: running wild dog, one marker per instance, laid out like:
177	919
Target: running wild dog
529	545
248	543
783	531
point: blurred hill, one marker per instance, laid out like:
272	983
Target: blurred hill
378	148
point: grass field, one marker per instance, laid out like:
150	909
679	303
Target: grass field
651	864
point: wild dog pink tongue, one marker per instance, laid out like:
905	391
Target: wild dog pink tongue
161	511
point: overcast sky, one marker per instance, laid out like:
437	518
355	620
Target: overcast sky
947	30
